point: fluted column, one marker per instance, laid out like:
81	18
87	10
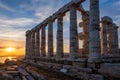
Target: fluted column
73	32
104	47
50	38
94	54
27	46
59	53
85	26
116	36
30	44
33	44
38	43
111	43
43	42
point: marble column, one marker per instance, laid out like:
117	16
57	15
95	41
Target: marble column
37	43
43	41
30	47
27	46
104	47
95	48
73	33
33	44
59	53
116	36
111	43
85	26
50	39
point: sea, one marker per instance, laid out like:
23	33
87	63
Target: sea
2	59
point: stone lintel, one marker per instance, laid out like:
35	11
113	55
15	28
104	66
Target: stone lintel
81	9
62	10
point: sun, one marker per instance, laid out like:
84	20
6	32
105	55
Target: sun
10	49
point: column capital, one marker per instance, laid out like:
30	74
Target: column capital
50	20
107	20
60	15
27	32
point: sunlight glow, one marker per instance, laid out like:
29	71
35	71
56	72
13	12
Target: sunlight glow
10	49
10	58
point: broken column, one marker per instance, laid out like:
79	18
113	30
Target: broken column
94	54
43	42
59	53
50	38
73	32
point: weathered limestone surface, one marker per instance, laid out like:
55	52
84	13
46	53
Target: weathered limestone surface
50	39
37	43
73	33
94	32
60	50
43	42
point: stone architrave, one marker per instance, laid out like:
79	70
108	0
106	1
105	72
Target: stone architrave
95	48
60	51
50	39
43	42
73	33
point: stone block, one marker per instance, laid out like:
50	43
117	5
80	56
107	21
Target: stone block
85	70
63	70
57	67
67	67
93	77
110	70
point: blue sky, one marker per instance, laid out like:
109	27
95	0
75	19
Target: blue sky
17	16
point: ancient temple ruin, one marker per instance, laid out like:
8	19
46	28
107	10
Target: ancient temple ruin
99	37
94	45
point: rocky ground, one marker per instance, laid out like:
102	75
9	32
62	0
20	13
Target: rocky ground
27	72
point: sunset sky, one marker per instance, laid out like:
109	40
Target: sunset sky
18	16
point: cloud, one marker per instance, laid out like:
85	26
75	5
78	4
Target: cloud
15	27
6	7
